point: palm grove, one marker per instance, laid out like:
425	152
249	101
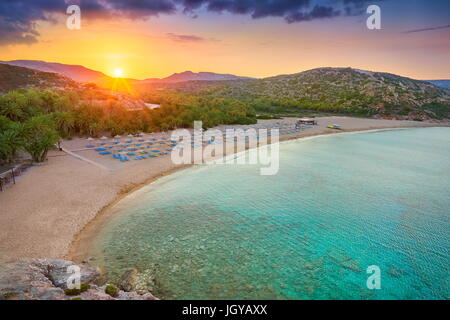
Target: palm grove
34	120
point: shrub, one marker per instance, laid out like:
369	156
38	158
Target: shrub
10	141
8	296
112	290
75	292
39	136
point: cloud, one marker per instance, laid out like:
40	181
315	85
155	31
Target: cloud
141	8
18	18
187	38
428	29
318	12
290	10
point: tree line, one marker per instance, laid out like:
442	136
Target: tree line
34	120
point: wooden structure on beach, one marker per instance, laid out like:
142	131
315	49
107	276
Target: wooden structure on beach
307	121
6	174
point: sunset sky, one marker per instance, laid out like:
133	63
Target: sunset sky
258	38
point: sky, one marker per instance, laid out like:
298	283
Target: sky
257	38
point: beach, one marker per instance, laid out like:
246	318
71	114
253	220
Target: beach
55	205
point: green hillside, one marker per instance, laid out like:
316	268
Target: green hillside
341	90
13	77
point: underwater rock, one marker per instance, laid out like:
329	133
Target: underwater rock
128	281
395	272
351	264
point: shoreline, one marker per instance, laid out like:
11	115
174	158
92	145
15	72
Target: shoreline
90	230
79	248
55	208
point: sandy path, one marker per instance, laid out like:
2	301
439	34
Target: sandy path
50	204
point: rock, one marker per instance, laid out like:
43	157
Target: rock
96	293
44	293
352	265
135	296
46	279
58	273
128	280
395	272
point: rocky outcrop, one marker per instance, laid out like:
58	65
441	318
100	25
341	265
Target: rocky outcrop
47	279
346	90
128	281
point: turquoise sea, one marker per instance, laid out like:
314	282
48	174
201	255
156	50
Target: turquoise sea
338	205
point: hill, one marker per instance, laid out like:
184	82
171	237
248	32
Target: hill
83	74
343	90
12	77
441	83
74	72
332	90
200	76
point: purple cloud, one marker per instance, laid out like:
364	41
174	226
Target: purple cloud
18	17
428	29
187	38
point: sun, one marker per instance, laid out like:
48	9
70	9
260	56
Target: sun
118	73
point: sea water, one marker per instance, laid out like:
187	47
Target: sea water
338	205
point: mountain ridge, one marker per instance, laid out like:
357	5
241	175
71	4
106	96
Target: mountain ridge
201	76
75	72
344	90
14	77
338	90
443	83
82	74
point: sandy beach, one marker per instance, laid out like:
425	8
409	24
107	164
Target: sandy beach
53	204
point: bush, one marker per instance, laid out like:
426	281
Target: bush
75	292
267	117
72	292
112	290
8	296
10	141
39	136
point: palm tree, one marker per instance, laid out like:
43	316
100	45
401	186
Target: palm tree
11	110
10	142
39	136
65	123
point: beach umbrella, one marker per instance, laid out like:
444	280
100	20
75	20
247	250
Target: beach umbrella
103	138
130	136
90	139
117	137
